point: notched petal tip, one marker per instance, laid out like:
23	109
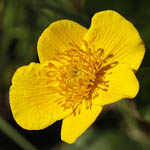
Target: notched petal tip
116	35
102	17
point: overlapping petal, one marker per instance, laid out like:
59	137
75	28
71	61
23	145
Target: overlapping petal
122	84
116	36
57	37
76	124
33	103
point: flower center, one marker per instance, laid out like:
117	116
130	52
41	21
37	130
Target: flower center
80	75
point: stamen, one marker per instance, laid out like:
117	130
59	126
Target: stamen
80	74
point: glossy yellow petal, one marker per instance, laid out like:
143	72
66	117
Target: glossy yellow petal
57	37
122	84
116	36
76	124
33	103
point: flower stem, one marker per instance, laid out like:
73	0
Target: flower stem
15	135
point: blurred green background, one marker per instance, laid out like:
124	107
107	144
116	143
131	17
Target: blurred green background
124	125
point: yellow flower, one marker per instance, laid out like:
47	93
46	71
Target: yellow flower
80	71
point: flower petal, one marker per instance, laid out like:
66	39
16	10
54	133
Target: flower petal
116	36
57	37
76	124
33	104
122	84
